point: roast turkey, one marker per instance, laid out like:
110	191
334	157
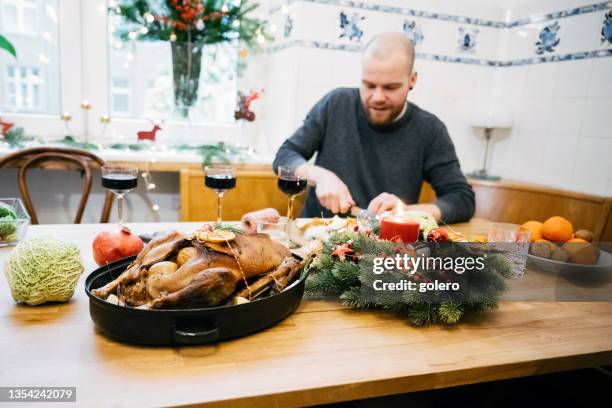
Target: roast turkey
207	279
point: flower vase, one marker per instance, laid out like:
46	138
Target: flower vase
186	67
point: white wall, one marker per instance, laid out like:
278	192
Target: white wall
559	107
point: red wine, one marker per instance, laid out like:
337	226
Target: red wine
220	181
119	181
292	186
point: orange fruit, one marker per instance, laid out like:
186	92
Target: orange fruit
557	229
536	229
581	251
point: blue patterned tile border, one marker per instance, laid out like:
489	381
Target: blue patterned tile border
400	10
444	58
557	58
535	18
538	18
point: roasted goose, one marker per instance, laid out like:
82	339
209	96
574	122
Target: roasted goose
209	277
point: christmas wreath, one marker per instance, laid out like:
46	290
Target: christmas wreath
344	267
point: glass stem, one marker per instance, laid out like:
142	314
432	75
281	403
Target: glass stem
120	209
219	197
290	208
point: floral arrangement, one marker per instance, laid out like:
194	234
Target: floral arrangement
197	21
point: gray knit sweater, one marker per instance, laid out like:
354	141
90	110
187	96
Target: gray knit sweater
371	160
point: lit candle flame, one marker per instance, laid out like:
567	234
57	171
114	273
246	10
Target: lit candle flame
399	209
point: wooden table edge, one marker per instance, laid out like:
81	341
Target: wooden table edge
421	382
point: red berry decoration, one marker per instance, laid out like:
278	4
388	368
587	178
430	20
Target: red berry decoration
438	235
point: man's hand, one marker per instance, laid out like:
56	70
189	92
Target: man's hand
383	202
331	192
387	202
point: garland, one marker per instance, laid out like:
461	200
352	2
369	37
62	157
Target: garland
344	268
210	153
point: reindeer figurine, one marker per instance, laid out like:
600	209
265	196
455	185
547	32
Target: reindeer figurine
150	135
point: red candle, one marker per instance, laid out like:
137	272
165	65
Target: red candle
399	228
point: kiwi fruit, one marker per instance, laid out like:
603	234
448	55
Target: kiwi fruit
584	234
560	255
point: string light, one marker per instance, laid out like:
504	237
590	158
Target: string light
51	13
172	37
144	30
149	18
132	35
148	179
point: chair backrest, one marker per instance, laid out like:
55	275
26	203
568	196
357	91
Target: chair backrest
506	201
62	159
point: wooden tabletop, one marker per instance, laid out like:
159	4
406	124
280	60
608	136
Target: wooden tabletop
322	353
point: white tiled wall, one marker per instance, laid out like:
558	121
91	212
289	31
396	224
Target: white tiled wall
559	137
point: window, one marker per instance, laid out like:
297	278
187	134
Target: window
130	80
120	97
24	88
20	16
30	83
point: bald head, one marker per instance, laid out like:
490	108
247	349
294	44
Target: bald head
387	76
391	47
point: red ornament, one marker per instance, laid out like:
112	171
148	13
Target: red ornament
244	103
6	126
342	250
438	235
150	135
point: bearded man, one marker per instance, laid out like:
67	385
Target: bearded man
375	148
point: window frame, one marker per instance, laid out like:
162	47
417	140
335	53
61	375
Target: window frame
84	75
20	6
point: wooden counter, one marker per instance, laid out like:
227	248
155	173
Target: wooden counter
322	353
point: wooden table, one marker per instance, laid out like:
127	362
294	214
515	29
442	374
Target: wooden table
322	353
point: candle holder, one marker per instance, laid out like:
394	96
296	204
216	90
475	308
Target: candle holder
105	120
66	117
85	107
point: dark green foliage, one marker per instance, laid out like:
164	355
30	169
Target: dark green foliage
352	279
217	29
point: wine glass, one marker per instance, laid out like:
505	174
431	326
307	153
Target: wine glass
120	180
292	185
220	178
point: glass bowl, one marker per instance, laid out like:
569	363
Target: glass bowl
12	230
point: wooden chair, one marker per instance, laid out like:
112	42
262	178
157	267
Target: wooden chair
52	158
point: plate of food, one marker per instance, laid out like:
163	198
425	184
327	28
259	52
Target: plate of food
556	248
209	286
